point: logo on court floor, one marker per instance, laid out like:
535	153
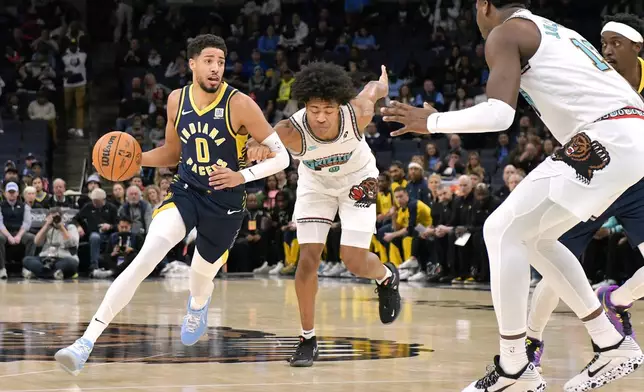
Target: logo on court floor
365	193
584	156
161	344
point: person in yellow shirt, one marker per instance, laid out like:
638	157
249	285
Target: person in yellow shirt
407	217
397	174
384	200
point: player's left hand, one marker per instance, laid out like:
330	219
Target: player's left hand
414	119
222	178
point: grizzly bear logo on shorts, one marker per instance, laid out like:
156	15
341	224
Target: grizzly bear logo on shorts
584	156
365	193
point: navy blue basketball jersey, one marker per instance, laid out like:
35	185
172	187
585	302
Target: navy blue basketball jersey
208	138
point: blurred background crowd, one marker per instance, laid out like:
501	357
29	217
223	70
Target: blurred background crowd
70	74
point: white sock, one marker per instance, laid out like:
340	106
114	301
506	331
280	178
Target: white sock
602	331
513	355
166	230
202	274
308	334
544	302
631	290
388	273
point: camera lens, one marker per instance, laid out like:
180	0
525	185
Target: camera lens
56	219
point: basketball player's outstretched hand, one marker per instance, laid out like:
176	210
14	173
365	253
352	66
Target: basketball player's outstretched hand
414	119
223	177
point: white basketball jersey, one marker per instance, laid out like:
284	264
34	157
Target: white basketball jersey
348	153
568	83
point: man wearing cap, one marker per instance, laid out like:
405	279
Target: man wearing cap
93	182
622	42
97	220
29	160
15	221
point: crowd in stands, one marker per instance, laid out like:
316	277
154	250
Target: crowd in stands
435	192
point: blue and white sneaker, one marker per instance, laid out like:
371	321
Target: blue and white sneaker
195	324
72	358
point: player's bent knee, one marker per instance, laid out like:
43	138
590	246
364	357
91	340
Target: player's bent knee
168	224
354	259
496	224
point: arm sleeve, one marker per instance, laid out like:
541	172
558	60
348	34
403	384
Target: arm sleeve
491	116
271	165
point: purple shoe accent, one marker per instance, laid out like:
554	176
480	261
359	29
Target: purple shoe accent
534	350
618	315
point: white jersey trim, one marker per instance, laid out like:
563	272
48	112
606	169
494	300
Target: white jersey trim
302	136
354	122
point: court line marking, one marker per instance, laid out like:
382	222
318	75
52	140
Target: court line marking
58	368
150	387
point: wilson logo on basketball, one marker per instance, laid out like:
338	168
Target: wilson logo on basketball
105	156
160	344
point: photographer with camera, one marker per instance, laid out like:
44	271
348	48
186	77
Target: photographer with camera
59	256
124	246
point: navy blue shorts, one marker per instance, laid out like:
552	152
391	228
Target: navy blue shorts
216	215
629	211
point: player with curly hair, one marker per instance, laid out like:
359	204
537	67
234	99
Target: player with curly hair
337	173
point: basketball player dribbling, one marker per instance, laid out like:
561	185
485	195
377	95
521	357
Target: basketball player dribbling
598	116
337	173
621	44
208	126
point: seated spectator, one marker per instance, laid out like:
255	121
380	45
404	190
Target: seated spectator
267	43
15	222
502	150
157	133
251	245
124	246
431	96
29	196
75	80
59	255
416	184
432	157
364	41
474	166
11	173
42	197
36	168
384	200
134	56
129	107
407	219
36	75
269	193
529	159
377	141
405	95
14	110
42	109
548	148
451	166
284	247
153	196
175	67
254	62
258	81
118	194
397	174
438	232
154	60
434	184
58	199
96	220
136	210
484	206
93	182
503	192
137	181
459	102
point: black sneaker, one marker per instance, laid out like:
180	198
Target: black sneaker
305	353
388	296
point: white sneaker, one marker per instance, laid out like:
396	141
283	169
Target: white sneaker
27	274
336	271
276	269
101	274
327	267
410	263
263	269
71	131
405	274
608	365
58	275
496	380
3	273
604	283
419	276
347	274
79	132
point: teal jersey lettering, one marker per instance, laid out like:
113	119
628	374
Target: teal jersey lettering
333	160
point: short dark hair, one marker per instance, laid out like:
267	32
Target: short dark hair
510	3
125	219
628	19
325	81
401	189
204	41
385	175
397	164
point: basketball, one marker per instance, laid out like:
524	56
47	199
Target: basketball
117	156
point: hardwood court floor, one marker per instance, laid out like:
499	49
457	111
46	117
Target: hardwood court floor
442	341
